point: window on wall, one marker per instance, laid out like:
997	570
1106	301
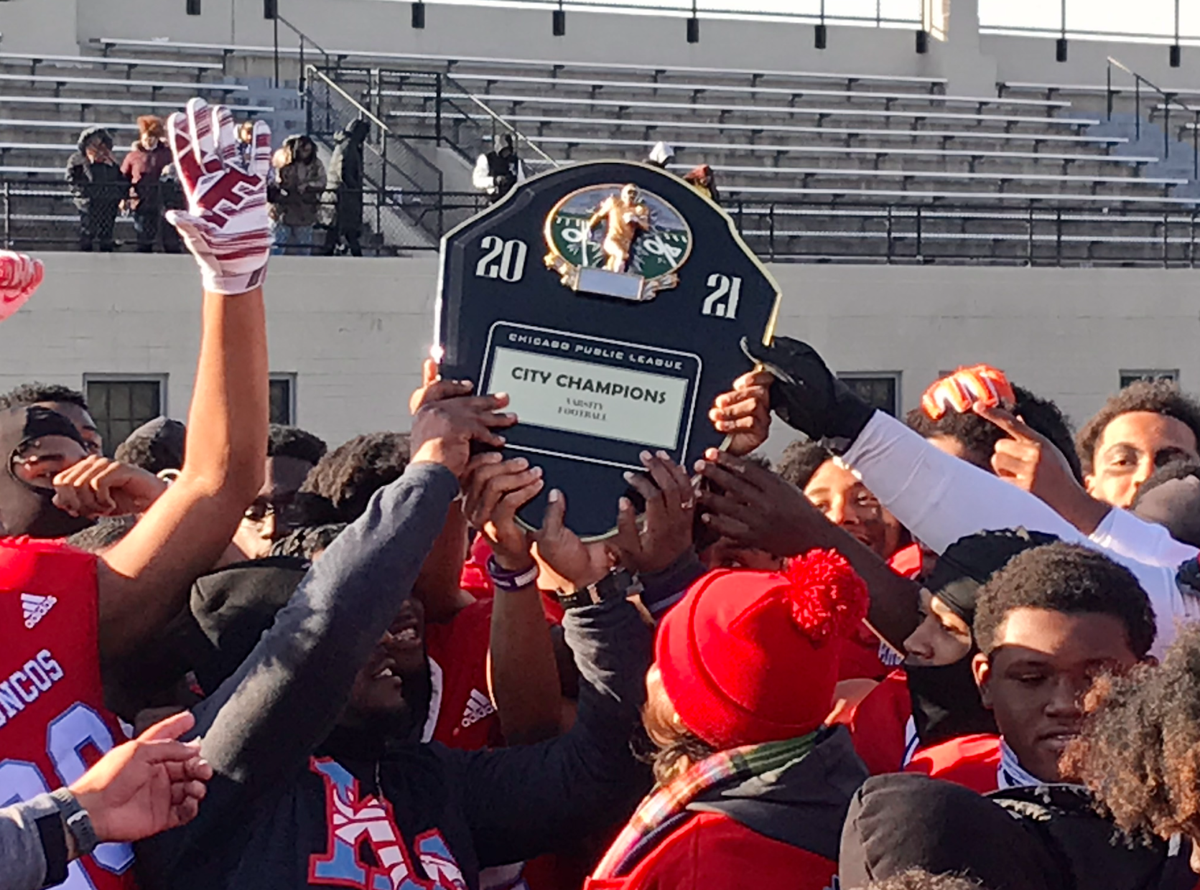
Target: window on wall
283	399
193	7
122	404
1128	377
879	389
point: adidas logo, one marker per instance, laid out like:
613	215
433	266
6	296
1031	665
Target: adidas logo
479	706
35	607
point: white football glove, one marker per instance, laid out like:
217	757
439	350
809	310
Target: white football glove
20	276
225	226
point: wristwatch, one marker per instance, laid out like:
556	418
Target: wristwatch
617	584
76	818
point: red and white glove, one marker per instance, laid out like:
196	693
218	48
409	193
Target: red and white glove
225	226
966	387
20	276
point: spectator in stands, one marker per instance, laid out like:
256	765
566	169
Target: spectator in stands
703	180
343	201
98	186
661	155
291	455
295	197
498	171
245	141
63	400
156	446
143	167
1145	425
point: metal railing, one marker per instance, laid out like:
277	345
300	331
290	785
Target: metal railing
327	60
454	111
395	220
389	161
1169	100
398	220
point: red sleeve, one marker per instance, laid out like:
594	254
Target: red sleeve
714	852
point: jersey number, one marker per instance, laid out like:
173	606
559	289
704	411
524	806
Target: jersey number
66	737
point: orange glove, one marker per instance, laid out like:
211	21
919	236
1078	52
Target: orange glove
966	387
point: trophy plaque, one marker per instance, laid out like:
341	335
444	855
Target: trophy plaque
608	300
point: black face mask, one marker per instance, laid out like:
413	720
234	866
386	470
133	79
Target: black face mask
26	509
945	701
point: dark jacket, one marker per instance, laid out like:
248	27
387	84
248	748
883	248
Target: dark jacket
343	200
268	820
781	829
1043	838
102	184
144	169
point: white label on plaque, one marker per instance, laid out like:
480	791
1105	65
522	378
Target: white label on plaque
590	399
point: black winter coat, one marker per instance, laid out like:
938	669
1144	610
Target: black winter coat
343	200
100	183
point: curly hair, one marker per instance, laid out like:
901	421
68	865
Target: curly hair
1045	417
34	393
979	436
355	470
1156	396
308	543
976	435
106	532
155	446
1139	749
291	441
919	879
800	460
1065	578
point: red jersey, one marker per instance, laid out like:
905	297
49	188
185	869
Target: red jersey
461	705
970	760
879	725
862	654
53	723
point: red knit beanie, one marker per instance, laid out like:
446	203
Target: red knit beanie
745	656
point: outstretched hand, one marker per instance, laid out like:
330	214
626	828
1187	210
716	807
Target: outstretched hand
442	431
744	413
1031	462
98	486
665	532
495	490
756	508
225	226
20	276
568	563
151	784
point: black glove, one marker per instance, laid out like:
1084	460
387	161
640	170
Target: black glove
806	396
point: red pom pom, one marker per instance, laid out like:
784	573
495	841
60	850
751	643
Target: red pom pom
828	598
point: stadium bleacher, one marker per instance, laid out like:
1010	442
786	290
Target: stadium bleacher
818	163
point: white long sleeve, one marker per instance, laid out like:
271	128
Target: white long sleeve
1123	532
940	499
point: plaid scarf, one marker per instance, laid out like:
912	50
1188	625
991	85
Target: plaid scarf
723	768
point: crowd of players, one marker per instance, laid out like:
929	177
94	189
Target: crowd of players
946	652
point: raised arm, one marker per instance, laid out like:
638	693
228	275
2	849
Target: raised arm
264	721
145	578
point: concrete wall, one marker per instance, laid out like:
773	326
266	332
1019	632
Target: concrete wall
354	331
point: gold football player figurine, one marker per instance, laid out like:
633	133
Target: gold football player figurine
626	216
